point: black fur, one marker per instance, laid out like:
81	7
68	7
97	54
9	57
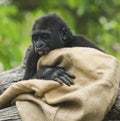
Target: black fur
51	32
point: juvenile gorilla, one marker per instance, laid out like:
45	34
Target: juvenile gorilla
51	32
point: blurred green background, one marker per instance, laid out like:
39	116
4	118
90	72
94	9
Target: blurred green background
98	20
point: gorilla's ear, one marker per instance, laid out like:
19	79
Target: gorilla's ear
66	35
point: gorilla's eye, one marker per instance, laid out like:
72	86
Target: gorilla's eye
34	37
45	35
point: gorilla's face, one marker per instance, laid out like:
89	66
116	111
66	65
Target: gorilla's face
41	40
46	35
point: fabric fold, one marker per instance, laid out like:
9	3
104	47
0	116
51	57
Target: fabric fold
89	99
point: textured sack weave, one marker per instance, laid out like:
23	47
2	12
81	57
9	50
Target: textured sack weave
92	96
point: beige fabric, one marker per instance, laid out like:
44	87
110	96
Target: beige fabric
95	90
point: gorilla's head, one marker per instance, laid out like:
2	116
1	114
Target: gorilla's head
50	32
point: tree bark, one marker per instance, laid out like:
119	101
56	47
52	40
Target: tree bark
11	113
6	79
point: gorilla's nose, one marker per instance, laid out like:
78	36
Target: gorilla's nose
40	45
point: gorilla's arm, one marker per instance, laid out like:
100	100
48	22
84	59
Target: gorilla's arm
31	64
57	74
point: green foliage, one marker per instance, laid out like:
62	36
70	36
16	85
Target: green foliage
10	54
98	20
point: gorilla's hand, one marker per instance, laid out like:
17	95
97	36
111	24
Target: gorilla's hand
57	74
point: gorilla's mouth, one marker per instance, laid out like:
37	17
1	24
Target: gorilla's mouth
42	53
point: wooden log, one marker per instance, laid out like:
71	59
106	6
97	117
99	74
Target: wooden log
11	114
6	79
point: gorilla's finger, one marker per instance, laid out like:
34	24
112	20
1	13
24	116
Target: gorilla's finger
65	81
68	73
58	80
69	79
